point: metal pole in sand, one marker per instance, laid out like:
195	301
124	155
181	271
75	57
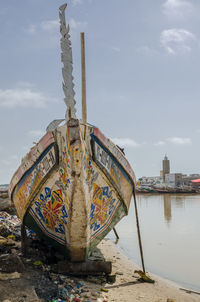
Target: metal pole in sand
138	231
84	108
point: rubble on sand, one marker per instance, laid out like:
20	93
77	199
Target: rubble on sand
34	277
5	202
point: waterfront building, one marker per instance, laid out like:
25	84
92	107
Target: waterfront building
168	179
174	179
144	180
188	178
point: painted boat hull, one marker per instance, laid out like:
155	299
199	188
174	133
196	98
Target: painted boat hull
72	191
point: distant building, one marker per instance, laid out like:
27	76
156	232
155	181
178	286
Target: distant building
169	179
150	180
166	167
188	178
195	183
174	179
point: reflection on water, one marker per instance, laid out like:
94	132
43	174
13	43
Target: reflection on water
167	207
170	229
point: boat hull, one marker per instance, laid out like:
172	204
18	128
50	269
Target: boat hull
72	188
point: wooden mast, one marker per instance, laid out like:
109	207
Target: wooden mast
84	109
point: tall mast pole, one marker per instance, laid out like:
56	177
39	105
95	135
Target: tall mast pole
84	109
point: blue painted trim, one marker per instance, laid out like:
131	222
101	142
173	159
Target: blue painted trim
112	157
32	168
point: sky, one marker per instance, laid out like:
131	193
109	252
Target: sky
142	76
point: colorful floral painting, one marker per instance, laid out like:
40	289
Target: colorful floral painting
51	211
103	207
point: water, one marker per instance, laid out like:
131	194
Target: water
170	230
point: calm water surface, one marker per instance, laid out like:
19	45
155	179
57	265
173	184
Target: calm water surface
170	230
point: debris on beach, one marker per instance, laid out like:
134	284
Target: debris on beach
10	276
5	201
36	273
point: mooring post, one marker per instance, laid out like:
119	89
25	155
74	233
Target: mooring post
117	236
138	231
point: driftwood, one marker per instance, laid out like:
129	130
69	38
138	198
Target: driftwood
189	291
84	268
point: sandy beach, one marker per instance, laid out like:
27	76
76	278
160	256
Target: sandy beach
36	277
30	279
126	287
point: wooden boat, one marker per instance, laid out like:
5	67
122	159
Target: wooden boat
75	184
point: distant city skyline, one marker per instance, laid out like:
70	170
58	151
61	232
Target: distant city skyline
166	165
142	76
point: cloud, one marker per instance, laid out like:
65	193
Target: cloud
76	2
5	162
14	157
76	24
125	142
147	51
50	25
117	49
179	140
177	41
23	84
35	133
23	97
160	143
31	30
177	8
10	160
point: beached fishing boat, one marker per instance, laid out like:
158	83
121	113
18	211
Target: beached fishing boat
75	184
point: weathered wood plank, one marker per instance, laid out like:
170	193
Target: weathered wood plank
84	268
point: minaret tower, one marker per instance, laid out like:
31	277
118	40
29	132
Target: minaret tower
166	166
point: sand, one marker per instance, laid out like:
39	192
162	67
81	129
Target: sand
41	283
127	288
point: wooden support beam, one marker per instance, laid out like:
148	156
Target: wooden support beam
84	268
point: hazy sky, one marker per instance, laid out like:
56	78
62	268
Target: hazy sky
143	71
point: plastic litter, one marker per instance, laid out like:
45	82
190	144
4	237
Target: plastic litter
63	293
38	263
11	237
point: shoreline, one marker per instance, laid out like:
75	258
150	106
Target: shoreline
183	285
127	288
36	278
